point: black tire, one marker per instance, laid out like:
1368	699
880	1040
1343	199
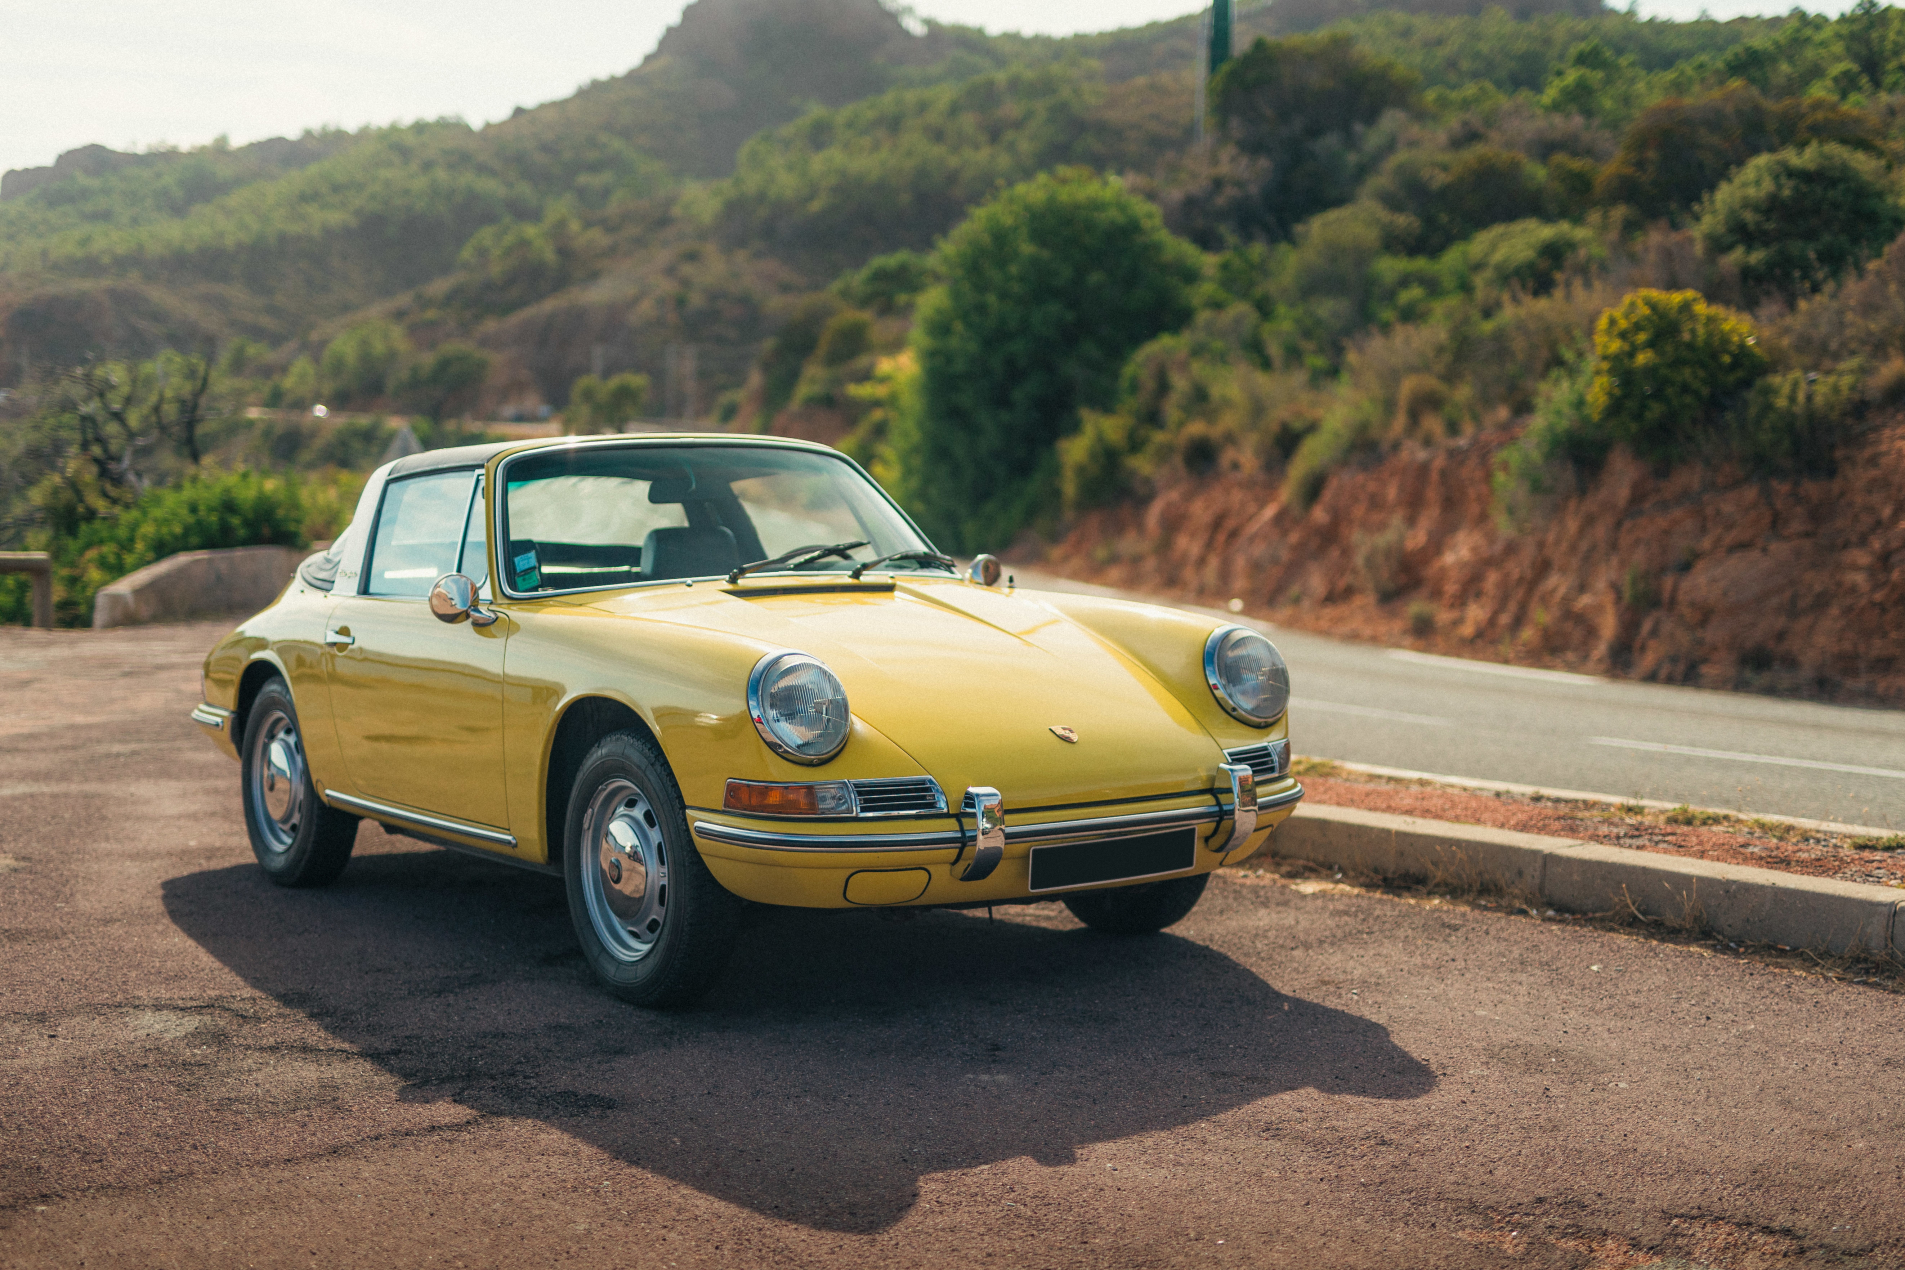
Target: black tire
1144	909
299	841
654	925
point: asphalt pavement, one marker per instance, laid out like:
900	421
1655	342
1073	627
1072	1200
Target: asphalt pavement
1483	720
412	1067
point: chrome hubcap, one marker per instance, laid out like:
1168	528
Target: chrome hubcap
625	871
277	782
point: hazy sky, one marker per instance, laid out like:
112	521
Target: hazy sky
134	73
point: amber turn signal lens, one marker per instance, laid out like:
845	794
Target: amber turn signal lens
822	798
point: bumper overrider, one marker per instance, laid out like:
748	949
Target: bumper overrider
962	861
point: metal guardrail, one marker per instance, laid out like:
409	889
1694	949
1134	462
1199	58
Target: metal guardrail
39	566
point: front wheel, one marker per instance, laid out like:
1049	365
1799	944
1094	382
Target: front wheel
298	839
654	925
1143	909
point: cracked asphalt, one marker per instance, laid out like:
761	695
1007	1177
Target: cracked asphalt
411	1067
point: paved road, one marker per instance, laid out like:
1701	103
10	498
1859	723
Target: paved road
411	1068
1397	708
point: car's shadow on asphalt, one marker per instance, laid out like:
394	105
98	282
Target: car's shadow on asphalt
843	1057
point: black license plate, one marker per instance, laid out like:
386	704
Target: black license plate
1121	859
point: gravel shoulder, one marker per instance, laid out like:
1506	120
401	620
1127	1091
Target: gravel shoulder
1683	831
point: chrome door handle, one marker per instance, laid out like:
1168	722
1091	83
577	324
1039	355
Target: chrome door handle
339	637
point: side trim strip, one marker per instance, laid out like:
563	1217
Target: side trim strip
214	717
820	842
422	820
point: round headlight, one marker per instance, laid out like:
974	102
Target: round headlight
1246	674
798	706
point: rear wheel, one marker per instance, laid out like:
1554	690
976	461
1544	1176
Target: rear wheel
654	925
299	841
1143	909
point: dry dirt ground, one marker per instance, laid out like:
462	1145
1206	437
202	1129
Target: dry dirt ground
411	1068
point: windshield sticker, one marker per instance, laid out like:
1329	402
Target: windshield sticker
528	575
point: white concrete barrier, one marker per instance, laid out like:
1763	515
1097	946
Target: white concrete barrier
1764	905
197	584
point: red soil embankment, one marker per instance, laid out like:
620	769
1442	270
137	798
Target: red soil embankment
1695	577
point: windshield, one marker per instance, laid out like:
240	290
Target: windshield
602	516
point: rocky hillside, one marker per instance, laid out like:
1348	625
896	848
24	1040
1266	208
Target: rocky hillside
1698	577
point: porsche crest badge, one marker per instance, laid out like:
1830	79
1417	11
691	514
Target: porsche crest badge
1067	735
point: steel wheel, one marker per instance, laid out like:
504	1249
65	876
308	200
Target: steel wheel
299	841
277	784
653	924
625	871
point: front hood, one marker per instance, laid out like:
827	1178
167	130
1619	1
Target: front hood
970	682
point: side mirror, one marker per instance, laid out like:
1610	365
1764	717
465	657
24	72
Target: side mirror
986	570
453	599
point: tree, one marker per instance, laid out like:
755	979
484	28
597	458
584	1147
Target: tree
1678	150
605	405
1454	193
514	263
1592	82
437	385
356	366
1048	289
1303	103
1873	41
1795	220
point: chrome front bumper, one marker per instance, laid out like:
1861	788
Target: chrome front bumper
963	836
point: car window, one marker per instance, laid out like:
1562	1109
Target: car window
615	516
419	533
474	563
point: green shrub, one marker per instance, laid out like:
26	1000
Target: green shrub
297	388
1560	440
1677	150
1354	424
1529	256
1667	364
889	283
1094	463
1791	424
1452	194
1795	220
232	509
604	405
357	365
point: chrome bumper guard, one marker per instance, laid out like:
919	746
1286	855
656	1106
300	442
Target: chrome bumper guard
1243	807
981	836
213	717
987	809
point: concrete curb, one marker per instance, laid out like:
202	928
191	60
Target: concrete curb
195	584
1761	905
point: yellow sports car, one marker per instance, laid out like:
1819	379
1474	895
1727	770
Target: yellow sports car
686	671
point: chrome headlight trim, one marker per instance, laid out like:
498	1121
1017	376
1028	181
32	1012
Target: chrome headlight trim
1224	692
760	683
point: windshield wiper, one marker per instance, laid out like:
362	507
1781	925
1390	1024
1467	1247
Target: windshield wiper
923	556
794	559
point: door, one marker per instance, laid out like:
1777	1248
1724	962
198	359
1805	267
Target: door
418	703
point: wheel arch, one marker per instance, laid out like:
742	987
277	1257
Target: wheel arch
258	672
583	722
